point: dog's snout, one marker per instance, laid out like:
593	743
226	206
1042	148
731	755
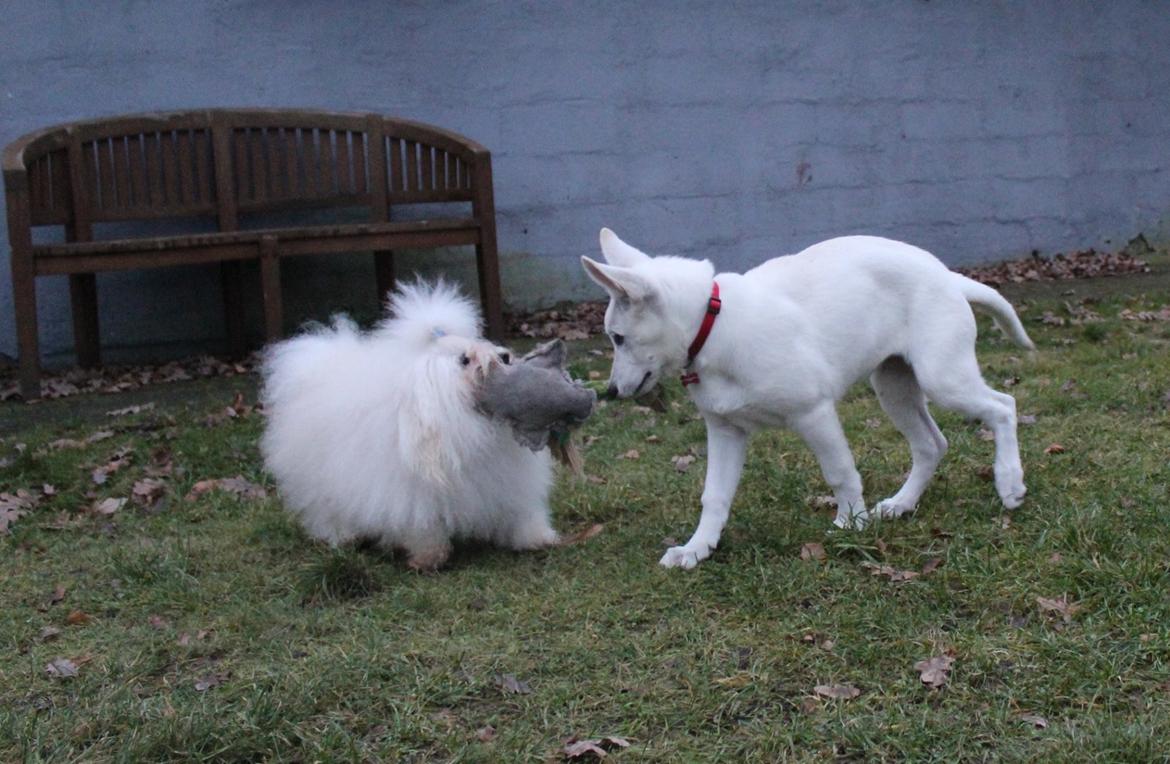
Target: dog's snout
611	392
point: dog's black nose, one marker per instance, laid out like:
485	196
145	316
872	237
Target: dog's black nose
610	392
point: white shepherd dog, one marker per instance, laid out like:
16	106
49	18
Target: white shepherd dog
380	436
782	343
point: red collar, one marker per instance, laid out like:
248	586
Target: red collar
713	306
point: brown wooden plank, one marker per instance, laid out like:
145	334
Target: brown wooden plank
243	175
257	150
397	181
121	169
83	297
204	173
308	156
103	151
449	179
38	187
360	153
185	159
170	166
59	177
411	166
292	160
277	176
83	181
426	168
270	288
136	169
225	189
344	163
327	163
154	172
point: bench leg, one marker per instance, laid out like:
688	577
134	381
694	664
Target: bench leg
488	264
83	296
270	288
25	300
231	277
384	274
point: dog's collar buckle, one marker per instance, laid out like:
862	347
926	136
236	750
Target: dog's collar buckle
714	305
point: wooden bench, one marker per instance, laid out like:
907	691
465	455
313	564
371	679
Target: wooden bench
230	167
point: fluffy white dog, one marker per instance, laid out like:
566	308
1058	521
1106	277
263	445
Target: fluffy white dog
381	436
780	344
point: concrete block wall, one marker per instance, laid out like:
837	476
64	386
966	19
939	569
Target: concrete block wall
730	130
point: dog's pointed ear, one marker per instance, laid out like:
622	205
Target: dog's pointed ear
621	283
617	252
550	355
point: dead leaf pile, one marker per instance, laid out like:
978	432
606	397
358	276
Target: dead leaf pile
569	322
1078	265
596	747
1162	314
812	551
117	379
130	410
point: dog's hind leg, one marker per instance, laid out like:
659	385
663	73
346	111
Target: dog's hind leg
820	428
726	449
902	399
951	379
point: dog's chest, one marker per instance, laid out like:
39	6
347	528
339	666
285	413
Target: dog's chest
736	404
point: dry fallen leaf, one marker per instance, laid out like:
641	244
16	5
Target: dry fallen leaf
148	491
48	633
237	485
931	565
206	682
812	551
631	454
683	462
837	691
1059	605
895	575
107	506
511	684
1035	720
596	747
582	535
823	502
1054	448
131	410
485	734
933	671
76	618
61	668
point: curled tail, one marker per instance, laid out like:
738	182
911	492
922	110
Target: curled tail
1000	309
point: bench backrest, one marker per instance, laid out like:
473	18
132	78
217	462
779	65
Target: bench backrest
225	162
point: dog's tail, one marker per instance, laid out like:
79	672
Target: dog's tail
419	312
1000	309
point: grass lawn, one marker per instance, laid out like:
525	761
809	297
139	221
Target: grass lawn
206	626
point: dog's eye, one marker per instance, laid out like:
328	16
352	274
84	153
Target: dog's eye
506	358
464	360
618	339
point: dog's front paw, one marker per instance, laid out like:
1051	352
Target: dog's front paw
890	508
852	521
683	557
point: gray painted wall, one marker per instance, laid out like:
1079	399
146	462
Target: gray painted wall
729	130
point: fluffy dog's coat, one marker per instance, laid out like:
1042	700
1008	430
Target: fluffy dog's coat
377	435
793	334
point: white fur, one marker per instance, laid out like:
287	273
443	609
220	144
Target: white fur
793	335
375	435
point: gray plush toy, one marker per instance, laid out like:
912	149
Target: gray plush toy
536	396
